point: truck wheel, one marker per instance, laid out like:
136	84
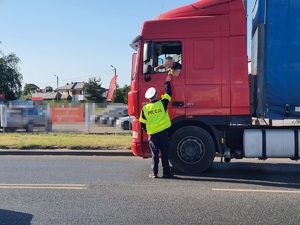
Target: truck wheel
192	150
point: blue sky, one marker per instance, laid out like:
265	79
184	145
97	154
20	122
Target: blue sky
76	39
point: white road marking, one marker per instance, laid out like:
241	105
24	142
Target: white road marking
256	190
44	186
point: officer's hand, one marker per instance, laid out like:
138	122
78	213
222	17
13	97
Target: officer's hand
168	78
170	72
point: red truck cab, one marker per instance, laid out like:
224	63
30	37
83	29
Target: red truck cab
208	38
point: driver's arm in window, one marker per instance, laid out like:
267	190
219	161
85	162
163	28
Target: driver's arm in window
170	64
159	67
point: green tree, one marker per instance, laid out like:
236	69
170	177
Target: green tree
49	89
121	94
29	89
118	96
25	97
94	90
10	76
126	90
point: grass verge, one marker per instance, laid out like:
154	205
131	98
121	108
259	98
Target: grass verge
64	140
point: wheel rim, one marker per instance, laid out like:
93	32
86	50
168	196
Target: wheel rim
190	150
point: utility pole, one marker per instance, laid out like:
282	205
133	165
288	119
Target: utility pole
56	87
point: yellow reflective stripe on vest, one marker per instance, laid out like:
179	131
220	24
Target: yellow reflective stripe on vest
157	118
142	119
166	96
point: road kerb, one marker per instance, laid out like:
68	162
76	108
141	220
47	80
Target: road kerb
62	152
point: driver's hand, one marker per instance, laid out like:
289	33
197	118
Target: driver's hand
155	69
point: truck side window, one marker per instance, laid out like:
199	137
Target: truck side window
163	53
163	58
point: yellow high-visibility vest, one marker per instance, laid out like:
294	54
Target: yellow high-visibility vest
157	119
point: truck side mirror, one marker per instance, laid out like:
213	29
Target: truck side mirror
146	70
147	52
147	60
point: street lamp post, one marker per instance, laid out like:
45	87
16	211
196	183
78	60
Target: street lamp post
115	69
56	87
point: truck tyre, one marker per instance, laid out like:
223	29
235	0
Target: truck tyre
192	150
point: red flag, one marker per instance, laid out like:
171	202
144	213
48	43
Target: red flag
112	87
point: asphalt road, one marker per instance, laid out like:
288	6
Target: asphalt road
117	190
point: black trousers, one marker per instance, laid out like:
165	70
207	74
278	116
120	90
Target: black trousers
160	141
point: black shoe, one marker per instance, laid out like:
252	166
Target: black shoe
152	175
168	175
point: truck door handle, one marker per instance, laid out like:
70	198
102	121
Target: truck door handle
178	104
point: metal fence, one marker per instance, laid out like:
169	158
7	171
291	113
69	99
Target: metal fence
28	116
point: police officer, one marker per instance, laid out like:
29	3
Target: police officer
155	121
